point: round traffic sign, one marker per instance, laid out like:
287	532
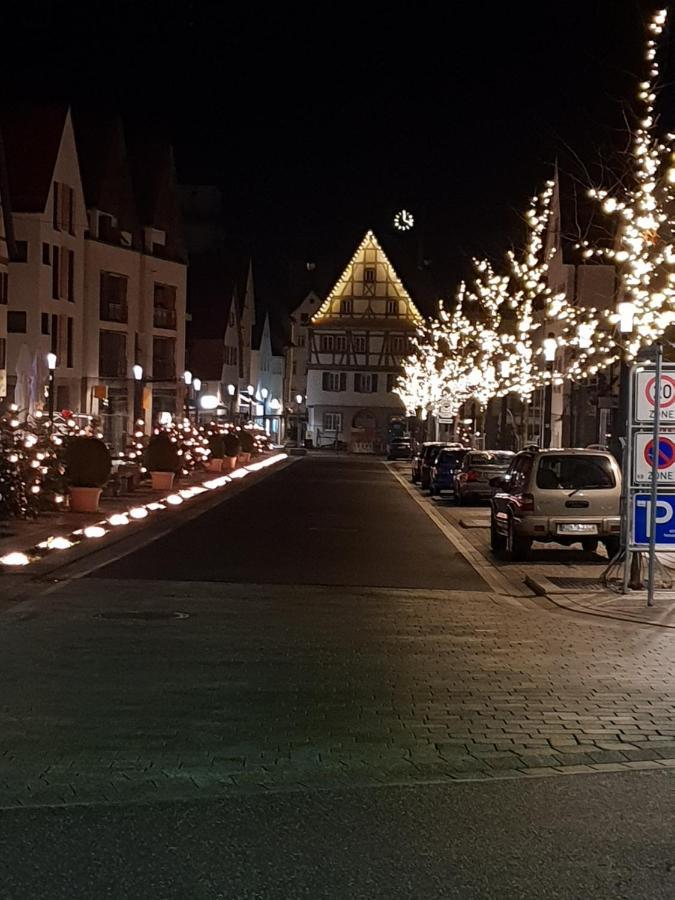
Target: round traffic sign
667	391
666	456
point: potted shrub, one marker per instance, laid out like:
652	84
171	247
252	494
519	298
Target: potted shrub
217	447
87	470
247	446
232	447
162	461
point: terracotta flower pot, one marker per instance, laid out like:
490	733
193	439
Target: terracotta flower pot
244	459
84	499
214	465
162	481
229	463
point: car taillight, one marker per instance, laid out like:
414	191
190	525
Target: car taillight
472	476
526	503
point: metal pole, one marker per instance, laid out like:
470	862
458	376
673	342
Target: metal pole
548	411
655	475
626	471
50	398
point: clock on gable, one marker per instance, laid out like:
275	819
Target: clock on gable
404	220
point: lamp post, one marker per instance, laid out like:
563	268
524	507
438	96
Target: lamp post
51	365
264	393
626	312
231	391
298	401
196	387
187	378
549	355
137	372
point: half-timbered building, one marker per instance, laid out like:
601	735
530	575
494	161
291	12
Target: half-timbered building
357	341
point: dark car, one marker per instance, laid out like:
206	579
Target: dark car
428	460
444	470
416	472
472	481
399	448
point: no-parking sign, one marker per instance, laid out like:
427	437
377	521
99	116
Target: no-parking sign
643	455
645	396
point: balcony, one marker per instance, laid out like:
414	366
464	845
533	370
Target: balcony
113	312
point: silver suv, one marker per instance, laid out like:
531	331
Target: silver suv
566	496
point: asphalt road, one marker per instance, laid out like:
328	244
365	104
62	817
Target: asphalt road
320	521
342	710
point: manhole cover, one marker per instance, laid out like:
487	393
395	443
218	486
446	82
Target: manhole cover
577	584
147	615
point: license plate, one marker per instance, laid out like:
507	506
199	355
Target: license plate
577	528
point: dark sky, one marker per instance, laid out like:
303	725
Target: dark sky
321	120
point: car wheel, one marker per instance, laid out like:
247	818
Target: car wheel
432	490
517	546
590	545
497	540
612	546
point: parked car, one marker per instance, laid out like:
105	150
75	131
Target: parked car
566	496
399	448
429	456
416	473
472	480
444	469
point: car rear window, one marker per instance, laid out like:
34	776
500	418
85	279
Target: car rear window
489	459
573	473
450	456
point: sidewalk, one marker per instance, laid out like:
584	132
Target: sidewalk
24	544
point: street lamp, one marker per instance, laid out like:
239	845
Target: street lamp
51	365
264	393
626	312
298	420
187	378
231	390
550	346
137	372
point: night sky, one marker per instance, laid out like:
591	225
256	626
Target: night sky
319	121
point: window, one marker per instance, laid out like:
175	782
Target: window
55	273
63	207
164	306
113	297
21	251
392	307
327	343
346	307
16	322
69	342
294	368
55	334
300	342
3	353
112	354
70	287
574	473
4	288
332	422
44	323
334	381
369	275
231	356
164	358
340	343
46	254
391	382
398	344
365	383
304	318
359	342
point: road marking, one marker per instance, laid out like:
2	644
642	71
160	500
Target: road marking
476	560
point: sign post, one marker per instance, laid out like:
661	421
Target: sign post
649	470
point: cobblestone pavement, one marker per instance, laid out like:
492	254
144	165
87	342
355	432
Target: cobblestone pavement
262	687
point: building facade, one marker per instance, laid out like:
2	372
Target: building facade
357	341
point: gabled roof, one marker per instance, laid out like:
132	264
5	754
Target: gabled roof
32	137
104	164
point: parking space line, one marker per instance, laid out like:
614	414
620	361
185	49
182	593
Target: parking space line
476	560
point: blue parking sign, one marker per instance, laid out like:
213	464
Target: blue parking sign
665	520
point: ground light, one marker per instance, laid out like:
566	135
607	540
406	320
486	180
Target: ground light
59	542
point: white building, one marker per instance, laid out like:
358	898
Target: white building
6	251
357	341
45	311
297	356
